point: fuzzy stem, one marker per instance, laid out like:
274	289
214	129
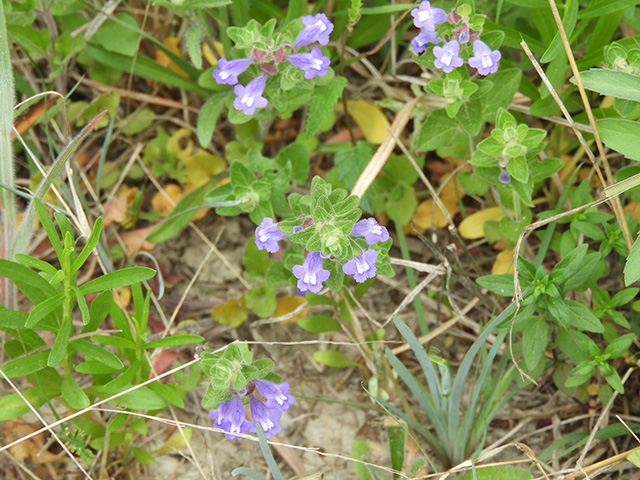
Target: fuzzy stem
7	198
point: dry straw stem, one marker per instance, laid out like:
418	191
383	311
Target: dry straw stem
615	204
384	150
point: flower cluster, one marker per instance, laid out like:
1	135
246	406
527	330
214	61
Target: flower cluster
249	98
311	274
230	414
456	31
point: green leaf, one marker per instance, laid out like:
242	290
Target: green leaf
319	324
43	309
534	341
262	300
634	457
174	341
169	392
351	161
619	346
632	266
614	83
118	278
519	169
333	358
298	155
115	37
621	135
114	341
93	352
568	22
61	343
500	284
506	83
73	394
13	406
19	367
583	317
322	103
438	130
92	241
208	117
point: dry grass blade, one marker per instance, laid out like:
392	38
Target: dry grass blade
378	160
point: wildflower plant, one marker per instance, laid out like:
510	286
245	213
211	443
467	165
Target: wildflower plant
282	65
236	380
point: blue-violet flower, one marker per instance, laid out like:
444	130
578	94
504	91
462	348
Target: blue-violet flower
277	396
268	419
484	59
505	177
427	17
313	63
228	71
447	57
230	417
317	28
362	266
310	274
249	98
370	230
424	38
268	235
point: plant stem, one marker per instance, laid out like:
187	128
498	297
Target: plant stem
6	159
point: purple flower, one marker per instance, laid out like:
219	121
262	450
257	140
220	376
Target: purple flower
505	177
485	60
317	28
310	274
250	97
229	416
427	17
227	73
424	38
370	230
464	37
277	396
362	266
268	419
313	63
268	235
447	57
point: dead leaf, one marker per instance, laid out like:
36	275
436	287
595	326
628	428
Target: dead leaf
173	44
370	119
287	305
232	313
503	263
174	143
135	240
472	227
201	166
161	204
117	208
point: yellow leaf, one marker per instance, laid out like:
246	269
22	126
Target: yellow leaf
472	227
370	119
426	215
232	313
201	166
122	296
182	136
503	263
634	457
161	204
289	304
173	44
176	442
209	55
